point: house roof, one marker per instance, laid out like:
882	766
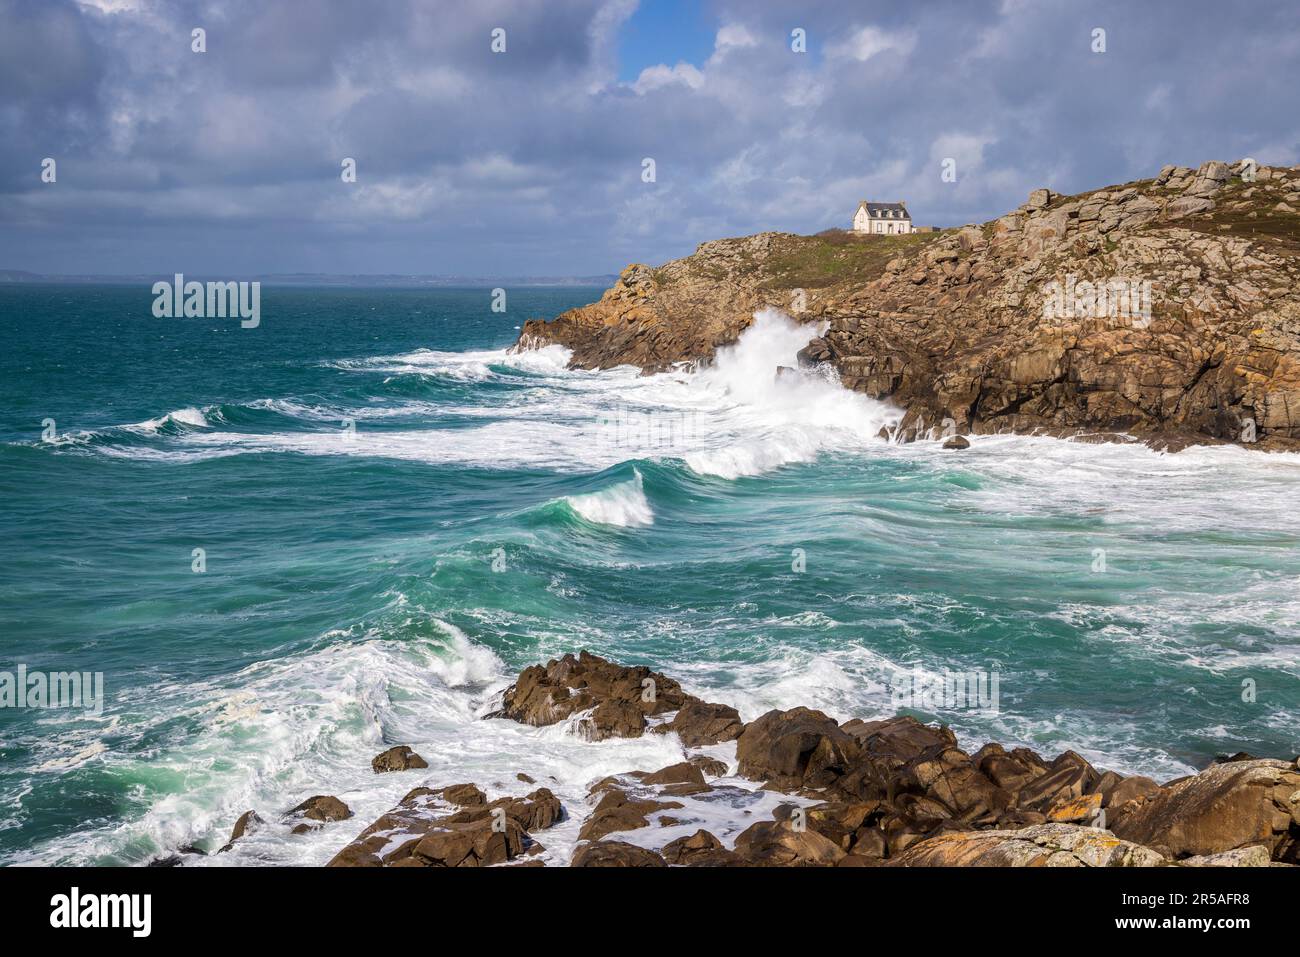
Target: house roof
877	210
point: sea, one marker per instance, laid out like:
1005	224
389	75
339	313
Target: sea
286	548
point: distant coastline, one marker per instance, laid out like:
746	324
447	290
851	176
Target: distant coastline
18	276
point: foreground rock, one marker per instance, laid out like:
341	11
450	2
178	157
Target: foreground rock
1044	845
1166	308
795	749
615	854
700	849
812	792
782	844
1226	807
453	826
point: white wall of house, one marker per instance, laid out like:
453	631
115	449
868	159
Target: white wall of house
863	223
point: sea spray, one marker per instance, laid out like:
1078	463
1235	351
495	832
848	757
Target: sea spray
782	419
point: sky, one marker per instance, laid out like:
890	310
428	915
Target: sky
532	161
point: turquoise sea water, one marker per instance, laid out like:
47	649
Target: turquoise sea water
396	516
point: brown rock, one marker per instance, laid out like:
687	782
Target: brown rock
400	758
613	719
618	812
682	773
1126	790
1040	198
711	767
248	822
900	737
780	844
452	827
842	823
795	749
1069	777
321	808
1212	344
701	849
619	698
1009	771
477	843
1080	810
699	723
1046	845
463	794
537	811
1225	807
615	854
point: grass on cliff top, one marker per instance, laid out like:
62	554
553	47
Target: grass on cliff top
814	262
1277	231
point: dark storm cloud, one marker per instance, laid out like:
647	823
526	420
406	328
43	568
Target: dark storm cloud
530	161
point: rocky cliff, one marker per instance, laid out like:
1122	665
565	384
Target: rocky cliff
1167	309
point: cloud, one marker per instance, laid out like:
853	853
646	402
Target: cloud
469	160
660	75
870	42
733	36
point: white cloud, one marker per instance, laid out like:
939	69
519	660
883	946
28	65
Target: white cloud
661	75
733	36
872	41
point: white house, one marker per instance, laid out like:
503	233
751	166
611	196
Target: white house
889	218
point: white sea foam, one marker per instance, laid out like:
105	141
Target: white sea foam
766	421
284	729
736	418
472	366
624	504
189	416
